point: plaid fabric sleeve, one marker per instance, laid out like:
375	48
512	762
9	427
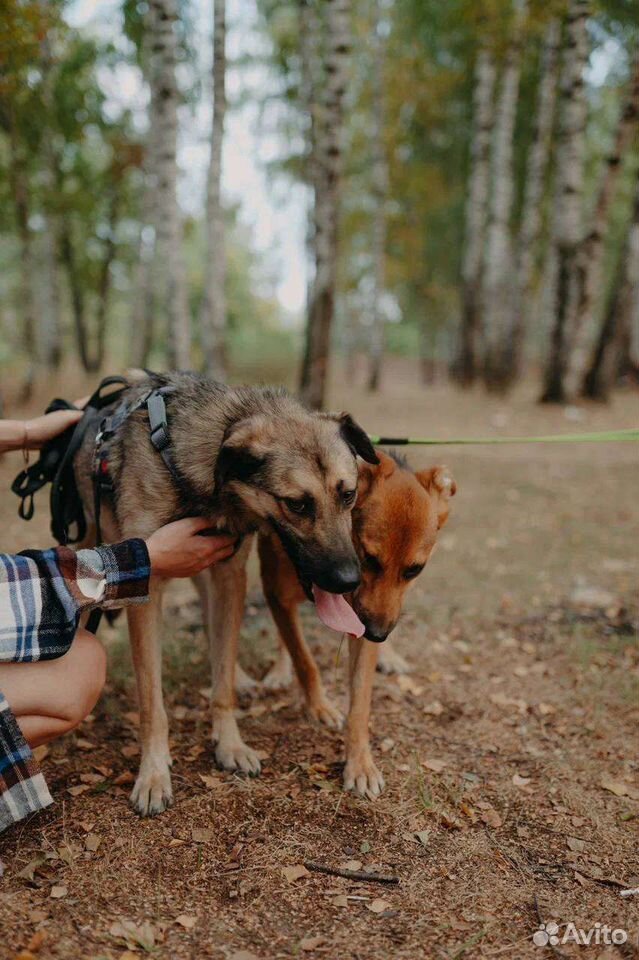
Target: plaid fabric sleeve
43	593
23	789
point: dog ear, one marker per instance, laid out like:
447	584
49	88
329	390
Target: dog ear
438	481
356	438
239	457
370	474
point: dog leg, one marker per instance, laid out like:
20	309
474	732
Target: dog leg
227	584
390	661
152	792
360	773
245	685
280	675
288	623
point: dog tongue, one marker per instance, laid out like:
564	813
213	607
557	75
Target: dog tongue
336	613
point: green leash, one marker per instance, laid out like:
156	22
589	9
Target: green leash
605	436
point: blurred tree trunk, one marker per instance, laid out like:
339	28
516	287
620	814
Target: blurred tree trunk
465	365
50	332
148	279
328	139
567	225
21	201
620	324
497	291
91	356
214	306
590	275
531	217
162	22
380	193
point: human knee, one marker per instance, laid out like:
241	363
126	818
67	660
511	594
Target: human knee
88	677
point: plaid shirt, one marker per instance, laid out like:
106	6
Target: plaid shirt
42	594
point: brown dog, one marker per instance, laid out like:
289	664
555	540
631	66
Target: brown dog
395	523
248	459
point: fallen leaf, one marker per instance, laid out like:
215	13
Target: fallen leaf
434	709
211	782
521	781
435	765
58	892
29	872
546	709
201	835
123	778
294	873
620	788
37	940
130	750
407	685
364	847
263	755
311	943
582	881
180	712
134	934
91	778
340	901
574	843
39	753
422	836
79	789
83	744
387	744
490	817
186	921
501	700
351	865
378	905
92	842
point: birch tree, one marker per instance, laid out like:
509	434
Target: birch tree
466	363
567	231
165	97
496	296
590	274
380	191
213	318
328	157
49	321
531	218
620	324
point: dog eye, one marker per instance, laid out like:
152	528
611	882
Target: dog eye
372	564
411	572
348	497
301	507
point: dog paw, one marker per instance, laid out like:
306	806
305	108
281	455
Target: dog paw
363	777
152	793
326	713
245	685
279	677
390	661
236	757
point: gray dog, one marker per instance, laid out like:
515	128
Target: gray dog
247	458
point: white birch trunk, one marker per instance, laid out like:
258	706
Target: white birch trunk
567	225
328	135
169	228
465	367
380	192
49	320
497	289
619	328
214	306
590	274
531	217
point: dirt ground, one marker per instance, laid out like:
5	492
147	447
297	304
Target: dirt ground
510	752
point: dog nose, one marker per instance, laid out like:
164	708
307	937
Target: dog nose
376	634
343	577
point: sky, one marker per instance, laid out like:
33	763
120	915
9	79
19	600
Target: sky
273	208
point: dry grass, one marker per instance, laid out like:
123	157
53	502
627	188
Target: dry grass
539	703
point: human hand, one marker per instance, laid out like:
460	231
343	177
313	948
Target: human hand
180	550
40	430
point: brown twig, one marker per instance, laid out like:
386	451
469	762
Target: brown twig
350	874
